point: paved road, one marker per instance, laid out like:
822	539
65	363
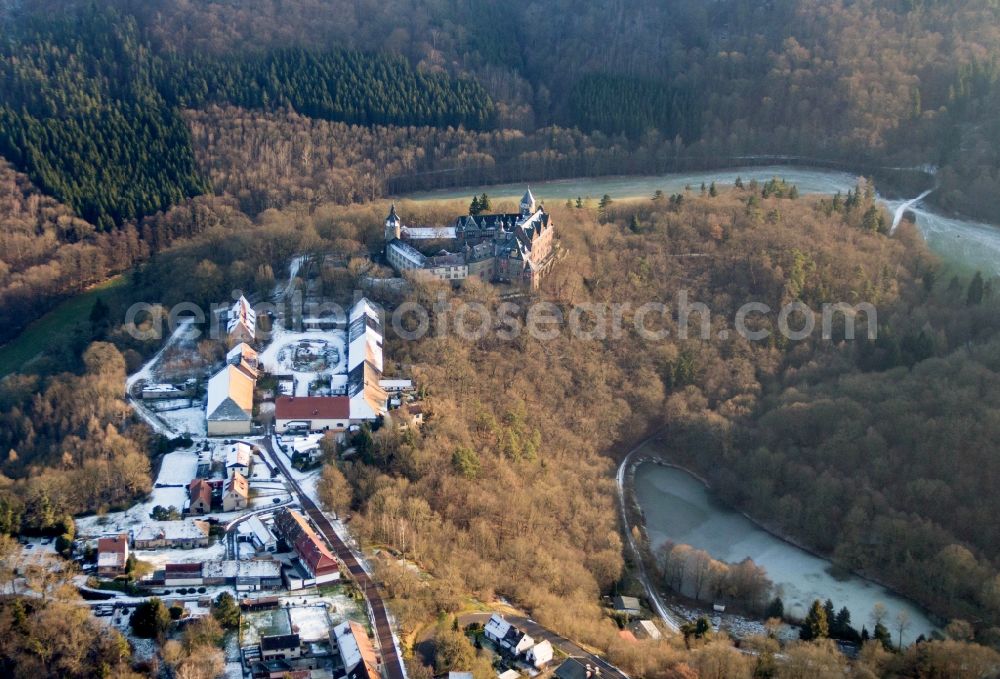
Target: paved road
539	633
640	567
391	662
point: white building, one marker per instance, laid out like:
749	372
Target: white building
229	408
507	637
186	534
540	654
242	324
356	650
256	533
368	400
238	459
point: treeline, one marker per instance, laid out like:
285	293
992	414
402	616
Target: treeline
362	88
694	573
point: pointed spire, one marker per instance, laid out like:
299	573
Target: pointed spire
392	213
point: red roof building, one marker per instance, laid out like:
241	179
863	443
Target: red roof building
316	413
313	552
112	555
200	492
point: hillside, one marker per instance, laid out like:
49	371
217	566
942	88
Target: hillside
881	81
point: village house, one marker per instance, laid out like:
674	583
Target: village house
356	651
313	413
280	647
183	534
575	668
317	562
239	457
626	605
199	497
112	556
515	248
247	575
281	669
256	533
540	654
229	406
154	392
396	386
506	637
242	322
236	494
408	415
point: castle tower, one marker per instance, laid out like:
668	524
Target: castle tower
393	227
527	204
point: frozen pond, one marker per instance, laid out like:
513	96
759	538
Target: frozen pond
969	245
679	508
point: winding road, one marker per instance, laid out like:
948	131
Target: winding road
392	662
640	566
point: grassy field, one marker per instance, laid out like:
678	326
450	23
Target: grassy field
55	326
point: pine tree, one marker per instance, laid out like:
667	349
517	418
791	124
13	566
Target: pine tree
974	295
816	625
474	206
776	609
712	191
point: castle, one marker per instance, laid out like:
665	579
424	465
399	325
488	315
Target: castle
515	249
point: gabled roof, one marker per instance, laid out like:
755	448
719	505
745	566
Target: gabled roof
308	545
200	490
368	398
112	552
244	356
239	485
626	603
238	455
528	198
230	395
312	408
242	314
356	650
